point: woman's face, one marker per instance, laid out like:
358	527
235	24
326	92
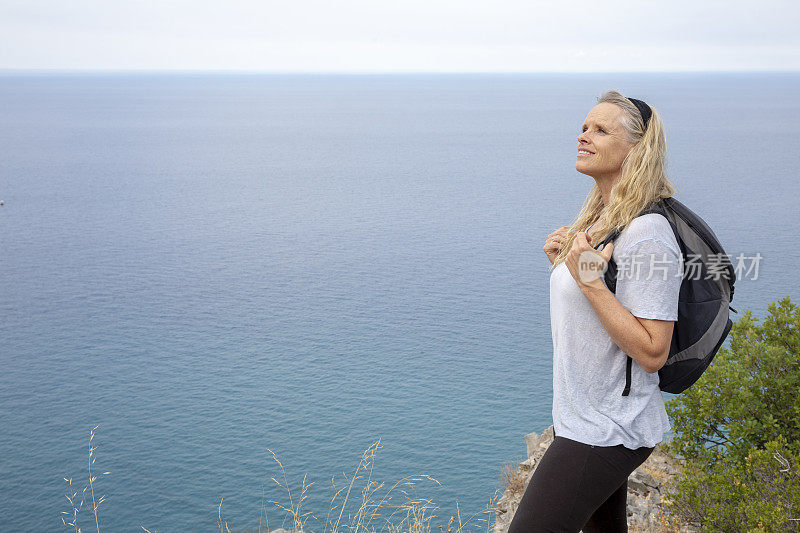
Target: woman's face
605	141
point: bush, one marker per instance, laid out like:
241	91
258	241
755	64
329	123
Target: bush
738	428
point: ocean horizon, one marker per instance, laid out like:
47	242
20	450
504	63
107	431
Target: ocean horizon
208	267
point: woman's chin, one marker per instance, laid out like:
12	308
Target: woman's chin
580	167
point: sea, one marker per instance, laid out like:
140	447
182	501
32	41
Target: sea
229	295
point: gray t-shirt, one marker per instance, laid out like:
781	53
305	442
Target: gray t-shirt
589	368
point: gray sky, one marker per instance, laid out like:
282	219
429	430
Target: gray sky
397	36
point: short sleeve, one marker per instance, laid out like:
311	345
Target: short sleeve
649	276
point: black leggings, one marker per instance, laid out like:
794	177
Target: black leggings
578	487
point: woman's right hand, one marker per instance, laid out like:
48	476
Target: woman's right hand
554	242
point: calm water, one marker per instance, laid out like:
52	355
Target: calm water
208	266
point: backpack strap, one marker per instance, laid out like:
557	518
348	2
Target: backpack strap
628	365
610	277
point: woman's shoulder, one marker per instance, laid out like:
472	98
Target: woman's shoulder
649	226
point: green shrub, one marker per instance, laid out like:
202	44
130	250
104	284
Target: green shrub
738	428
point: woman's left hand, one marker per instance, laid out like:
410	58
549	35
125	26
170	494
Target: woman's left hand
586	264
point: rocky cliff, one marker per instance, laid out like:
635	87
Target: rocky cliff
646	485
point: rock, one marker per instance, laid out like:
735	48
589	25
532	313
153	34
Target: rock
646	510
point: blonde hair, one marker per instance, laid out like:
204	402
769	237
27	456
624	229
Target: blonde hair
642	180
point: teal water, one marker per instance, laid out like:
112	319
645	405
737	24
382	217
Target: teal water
210	266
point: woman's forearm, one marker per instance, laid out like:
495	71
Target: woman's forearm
624	328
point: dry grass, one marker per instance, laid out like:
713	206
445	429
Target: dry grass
513	479
412	516
71	498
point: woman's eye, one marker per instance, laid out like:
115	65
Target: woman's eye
601	129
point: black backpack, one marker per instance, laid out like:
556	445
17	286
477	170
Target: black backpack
703	321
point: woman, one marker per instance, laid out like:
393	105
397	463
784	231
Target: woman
602	436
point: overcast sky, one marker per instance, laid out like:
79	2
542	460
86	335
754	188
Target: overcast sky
397	36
